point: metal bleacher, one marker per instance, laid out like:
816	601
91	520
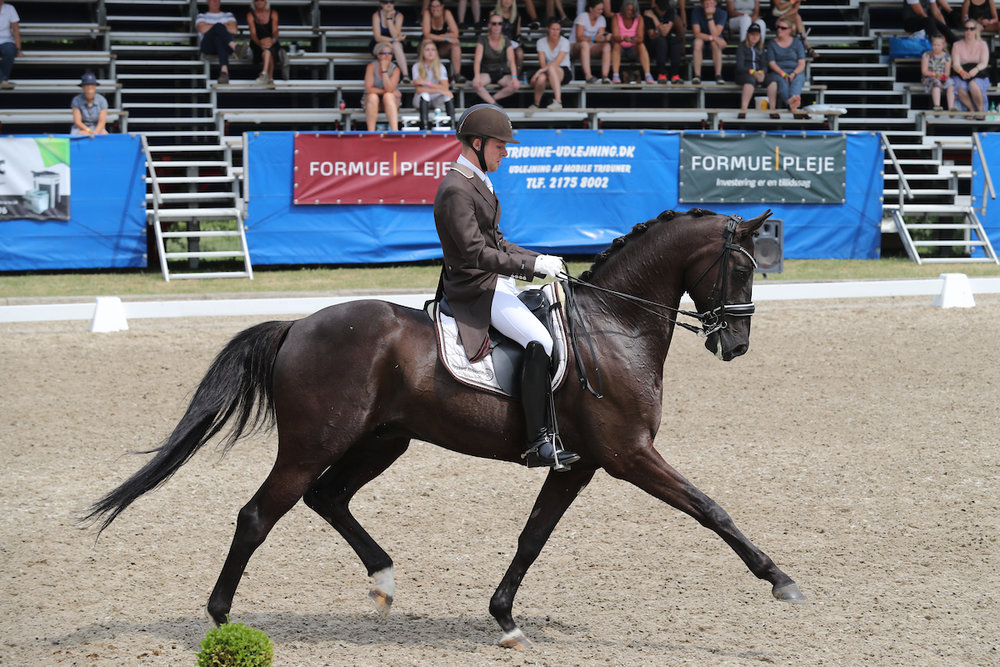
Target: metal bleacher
159	85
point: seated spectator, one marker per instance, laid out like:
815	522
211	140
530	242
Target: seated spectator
387	30
476	14
970	58
749	66
935	70
217	29
627	34
430	79
789	9
590	38
661	32
494	63
984	13
263	24
511	29
90	109
381	81
926	15
743	13
10	42
786	62
707	22
440	28
554	67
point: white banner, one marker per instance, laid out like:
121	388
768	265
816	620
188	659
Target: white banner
34	178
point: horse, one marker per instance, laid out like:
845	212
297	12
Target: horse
349	387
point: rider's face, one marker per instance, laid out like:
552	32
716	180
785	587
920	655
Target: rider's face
494	151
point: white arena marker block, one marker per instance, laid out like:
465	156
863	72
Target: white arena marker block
956	292
109	315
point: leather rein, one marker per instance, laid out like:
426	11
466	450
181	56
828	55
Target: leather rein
711	320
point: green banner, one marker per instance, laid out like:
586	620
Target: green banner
731	168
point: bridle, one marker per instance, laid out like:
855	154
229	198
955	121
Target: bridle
712	320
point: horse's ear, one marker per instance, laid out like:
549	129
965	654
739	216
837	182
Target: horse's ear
748	227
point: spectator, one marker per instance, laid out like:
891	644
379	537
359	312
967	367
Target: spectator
10	42
217	29
970	58
749	66
511	28
743	13
661	32
935	68
984	13
90	109
627	34
430	79
439	27
786	62
476	13
553	65
789	9
590	38
381	81
707	22
927	15
387	30
263	24
494	63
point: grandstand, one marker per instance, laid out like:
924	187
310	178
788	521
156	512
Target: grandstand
146	58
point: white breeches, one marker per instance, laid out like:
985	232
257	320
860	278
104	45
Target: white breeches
513	319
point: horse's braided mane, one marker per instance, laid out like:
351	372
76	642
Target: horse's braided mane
639	229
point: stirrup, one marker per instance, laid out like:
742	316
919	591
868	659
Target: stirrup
544	452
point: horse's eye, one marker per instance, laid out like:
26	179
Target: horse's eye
742	274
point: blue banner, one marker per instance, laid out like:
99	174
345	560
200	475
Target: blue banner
561	191
981	195
107	224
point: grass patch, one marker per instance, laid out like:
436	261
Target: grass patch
421	276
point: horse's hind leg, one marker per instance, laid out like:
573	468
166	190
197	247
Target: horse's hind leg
331	495
647	470
280	491
558	492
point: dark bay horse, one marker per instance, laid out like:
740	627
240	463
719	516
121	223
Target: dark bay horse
349	386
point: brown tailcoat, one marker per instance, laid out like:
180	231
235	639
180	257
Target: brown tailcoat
467	217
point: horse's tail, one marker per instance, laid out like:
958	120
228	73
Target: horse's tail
238	385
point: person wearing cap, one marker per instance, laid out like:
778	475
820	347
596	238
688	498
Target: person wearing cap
480	268
10	41
90	109
750	64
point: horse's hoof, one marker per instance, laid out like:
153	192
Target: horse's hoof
217	620
382	591
788	593
515	639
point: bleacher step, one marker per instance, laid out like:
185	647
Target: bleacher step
177	164
210	274
184	235
177	180
198	213
157	77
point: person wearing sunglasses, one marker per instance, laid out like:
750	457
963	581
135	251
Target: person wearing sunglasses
387	31
970	58
494	63
381	90
786	63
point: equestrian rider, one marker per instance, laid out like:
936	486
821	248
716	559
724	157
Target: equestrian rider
480	268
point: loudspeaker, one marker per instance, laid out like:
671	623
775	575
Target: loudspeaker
768	246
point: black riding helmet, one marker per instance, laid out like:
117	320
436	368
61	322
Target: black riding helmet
484	120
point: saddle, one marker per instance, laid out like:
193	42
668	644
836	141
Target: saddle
500	371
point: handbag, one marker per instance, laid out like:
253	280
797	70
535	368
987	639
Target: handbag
908	47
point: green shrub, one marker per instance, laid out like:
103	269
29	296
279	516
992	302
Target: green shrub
236	645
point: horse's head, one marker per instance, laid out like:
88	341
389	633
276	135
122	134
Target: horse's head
721	281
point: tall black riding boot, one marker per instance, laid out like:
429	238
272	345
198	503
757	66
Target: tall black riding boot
425	123
536	397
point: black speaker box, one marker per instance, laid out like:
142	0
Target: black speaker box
768	247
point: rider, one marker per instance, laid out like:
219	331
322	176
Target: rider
480	267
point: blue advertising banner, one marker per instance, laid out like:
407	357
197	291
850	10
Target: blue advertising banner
981	195
562	191
107	219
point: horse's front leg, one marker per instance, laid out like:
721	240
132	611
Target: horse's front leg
646	469
556	495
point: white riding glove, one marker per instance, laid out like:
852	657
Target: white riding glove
548	265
